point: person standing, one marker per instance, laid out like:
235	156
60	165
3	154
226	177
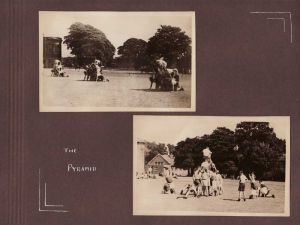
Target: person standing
242	183
150	172
205	182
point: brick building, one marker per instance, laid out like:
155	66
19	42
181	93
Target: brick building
158	162
51	50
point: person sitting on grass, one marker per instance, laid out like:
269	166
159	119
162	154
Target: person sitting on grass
186	191
169	186
168	189
242	183
190	189
194	188
264	191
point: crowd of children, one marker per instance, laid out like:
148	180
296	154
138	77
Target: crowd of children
210	183
207	181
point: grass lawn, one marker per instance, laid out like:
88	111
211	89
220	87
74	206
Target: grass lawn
123	90
148	199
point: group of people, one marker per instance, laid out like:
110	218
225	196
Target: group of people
258	188
165	78
207	181
57	70
94	71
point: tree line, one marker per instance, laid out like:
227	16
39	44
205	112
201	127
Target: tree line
87	43
252	147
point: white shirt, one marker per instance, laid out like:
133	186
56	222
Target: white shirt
243	178
206	152
205	165
161	63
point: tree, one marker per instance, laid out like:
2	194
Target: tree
133	53
173	44
88	43
260	150
154	149
221	143
185	62
188	154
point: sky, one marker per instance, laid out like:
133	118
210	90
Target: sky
117	26
172	129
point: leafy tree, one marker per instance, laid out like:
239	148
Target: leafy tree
88	43
260	150
154	149
184	63
221	143
173	44
188	154
133	53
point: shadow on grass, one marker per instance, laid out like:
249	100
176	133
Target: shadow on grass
230	199
149	90
93	81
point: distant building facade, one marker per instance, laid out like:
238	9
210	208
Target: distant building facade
158	162
140	156
51	50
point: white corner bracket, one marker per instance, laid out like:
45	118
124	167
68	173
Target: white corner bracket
280	18
43	205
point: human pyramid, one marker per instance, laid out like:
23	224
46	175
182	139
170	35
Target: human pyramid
207	181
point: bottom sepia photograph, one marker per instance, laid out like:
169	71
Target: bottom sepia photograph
211	166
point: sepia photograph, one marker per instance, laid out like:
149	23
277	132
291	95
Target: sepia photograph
116	61
211	166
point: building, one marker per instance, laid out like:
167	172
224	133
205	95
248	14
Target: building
140	156
51	50
158	162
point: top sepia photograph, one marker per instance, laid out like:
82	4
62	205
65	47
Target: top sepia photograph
117	61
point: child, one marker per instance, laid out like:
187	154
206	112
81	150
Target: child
169	186
242	182
195	188
152	80
186	191
213	179
264	191
205	182
254	187
197	182
219	182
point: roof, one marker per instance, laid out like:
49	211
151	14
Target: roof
140	140
53	38
166	158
